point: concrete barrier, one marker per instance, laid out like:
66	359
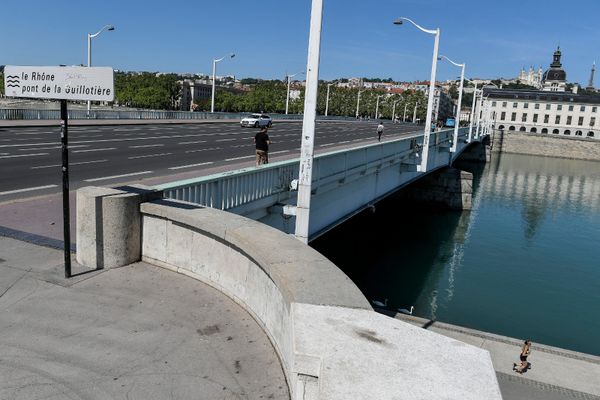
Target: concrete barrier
331	343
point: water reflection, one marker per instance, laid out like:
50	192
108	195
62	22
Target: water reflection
522	263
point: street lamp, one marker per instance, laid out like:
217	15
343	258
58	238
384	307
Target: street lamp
472	116
415	112
394	110
287	99
327	101
460	90
89	60
377	107
358	103
427	132
212	103
404	116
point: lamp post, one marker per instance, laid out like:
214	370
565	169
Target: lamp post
404	116
357	103
415	112
479	111
214	77
377	107
327	100
287	99
427	132
460	90
472	116
394	111
89	54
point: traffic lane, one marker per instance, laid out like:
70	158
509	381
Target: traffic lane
99	163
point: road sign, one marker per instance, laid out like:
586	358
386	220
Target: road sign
62	83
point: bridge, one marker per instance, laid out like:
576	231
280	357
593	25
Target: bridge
232	231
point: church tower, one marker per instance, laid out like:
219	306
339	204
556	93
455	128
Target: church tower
555	78
590	85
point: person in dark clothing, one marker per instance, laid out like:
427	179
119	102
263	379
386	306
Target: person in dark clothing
262	142
524	364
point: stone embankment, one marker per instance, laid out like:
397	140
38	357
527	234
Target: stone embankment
547	145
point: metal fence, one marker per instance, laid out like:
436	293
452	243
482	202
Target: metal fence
43	114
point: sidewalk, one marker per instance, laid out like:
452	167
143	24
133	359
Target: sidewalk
555	373
138	331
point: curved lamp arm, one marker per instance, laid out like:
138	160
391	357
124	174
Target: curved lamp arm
430	31
450	61
105	27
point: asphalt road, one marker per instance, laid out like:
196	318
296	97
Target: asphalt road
30	157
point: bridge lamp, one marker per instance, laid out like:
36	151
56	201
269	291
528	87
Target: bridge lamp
377	107
327	99
89	54
436	33
214	74
460	90
287	99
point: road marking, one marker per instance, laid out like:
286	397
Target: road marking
345	141
279	152
326	144
197	141
91	150
225	140
210	148
239	158
25	155
75	163
27	189
149	155
51	148
117	176
145	145
192	165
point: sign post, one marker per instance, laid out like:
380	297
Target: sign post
61	83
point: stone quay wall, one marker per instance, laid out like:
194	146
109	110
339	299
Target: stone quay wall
504	141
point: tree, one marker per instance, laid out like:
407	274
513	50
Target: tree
1	82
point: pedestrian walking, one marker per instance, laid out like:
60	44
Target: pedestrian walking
524	364
262	142
379	131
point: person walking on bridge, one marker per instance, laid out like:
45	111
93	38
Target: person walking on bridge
524	364
379	131
262	142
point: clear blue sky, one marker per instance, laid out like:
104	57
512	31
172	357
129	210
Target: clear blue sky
270	37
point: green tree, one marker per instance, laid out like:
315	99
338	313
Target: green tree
1	82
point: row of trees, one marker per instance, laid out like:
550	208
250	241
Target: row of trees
147	90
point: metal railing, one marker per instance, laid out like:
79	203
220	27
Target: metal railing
233	189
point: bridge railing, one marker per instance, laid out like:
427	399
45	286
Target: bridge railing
234	189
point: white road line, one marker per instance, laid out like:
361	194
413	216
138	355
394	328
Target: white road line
117	176
191	165
225	140
326	144
279	152
239	158
146	145
210	148
75	163
51	148
92	150
25	155
197	141
344	141
149	155
27	189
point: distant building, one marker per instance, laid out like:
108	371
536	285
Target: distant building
192	91
555	78
532	77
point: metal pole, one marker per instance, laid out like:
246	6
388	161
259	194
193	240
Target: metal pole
308	124
472	114
327	101
427	132
377	108
479	114
415	112
212	103
357	103
404	116
89	37
394	112
64	130
287	99
457	119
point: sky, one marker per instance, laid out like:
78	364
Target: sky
270	37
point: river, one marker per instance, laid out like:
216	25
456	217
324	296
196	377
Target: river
525	262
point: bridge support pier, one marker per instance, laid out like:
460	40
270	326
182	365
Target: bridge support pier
448	188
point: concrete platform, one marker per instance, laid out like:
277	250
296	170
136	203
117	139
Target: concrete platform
136	332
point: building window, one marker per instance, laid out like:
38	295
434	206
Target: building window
546	118
569	119
590	134
525	105
524	117
515	104
582	108
544	130
503	116
513	117
522	129
493	104
555	131
535	116
567	132
537	106
557	120
570	108
511	128
594	109
580	121
504	104
578	133
547	106
534	130
559	107
592	121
